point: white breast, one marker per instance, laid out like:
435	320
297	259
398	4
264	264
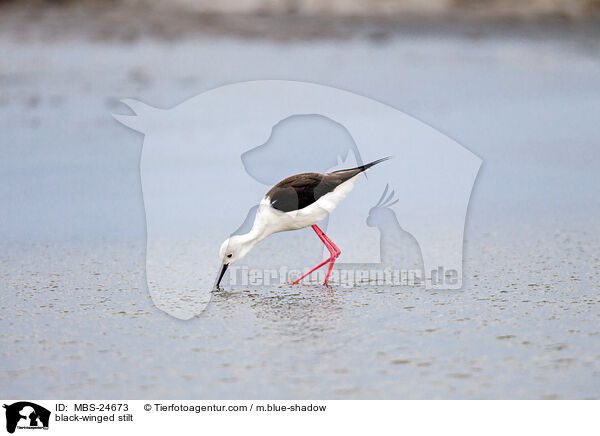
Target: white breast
273	220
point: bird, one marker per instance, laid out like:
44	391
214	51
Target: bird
296	202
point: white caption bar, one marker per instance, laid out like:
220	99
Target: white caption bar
301	417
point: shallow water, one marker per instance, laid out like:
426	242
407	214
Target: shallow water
78	322
76	318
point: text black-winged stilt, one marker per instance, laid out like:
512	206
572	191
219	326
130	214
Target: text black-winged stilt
299	201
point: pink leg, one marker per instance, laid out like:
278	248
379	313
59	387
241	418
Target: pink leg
335	247
293	282
334	252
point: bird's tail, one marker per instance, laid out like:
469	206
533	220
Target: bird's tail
360	169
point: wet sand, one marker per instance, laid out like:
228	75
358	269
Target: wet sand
77	322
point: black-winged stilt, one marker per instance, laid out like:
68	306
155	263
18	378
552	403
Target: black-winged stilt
299	201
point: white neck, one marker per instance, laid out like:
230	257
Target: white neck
260	230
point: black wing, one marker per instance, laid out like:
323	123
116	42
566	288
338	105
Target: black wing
301	190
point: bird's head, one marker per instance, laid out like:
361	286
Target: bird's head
232	250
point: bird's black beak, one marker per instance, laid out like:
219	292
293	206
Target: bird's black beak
221	274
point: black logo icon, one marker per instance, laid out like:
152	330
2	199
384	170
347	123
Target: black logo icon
26	415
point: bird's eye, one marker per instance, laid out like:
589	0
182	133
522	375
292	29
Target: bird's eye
229	255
